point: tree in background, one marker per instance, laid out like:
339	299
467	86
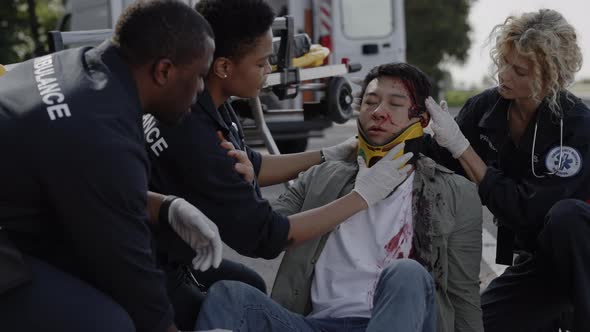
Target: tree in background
23	27
10	25
437	32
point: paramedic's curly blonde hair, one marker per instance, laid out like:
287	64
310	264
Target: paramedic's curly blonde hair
549	42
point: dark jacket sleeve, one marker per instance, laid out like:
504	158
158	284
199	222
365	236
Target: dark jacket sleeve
521	204
255	159
208	180
100	196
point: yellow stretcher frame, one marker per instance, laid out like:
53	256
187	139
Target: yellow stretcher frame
314	58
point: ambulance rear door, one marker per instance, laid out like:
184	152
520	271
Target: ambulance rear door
369	32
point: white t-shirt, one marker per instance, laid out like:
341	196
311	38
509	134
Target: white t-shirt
348	269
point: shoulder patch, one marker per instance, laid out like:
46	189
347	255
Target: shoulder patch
571	161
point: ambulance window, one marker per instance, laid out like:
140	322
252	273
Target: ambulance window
367	18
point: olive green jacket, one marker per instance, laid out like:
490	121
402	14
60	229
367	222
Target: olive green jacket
447	241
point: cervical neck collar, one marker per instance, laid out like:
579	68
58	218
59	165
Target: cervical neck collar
371	153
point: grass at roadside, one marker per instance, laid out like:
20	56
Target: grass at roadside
457	98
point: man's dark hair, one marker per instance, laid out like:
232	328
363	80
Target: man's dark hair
236	23
151	29
417	83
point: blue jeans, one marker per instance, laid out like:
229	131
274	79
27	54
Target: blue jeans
404	301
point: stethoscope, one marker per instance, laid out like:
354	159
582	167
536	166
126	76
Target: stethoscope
534	144
560	150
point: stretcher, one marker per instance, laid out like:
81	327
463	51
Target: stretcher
293	74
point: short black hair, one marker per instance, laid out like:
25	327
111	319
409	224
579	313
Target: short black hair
236	24
151	29
416	81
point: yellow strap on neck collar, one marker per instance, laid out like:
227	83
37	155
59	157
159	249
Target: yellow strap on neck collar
2	70
372	153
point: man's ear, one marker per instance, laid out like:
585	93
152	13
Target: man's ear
222	68
424	119
161	71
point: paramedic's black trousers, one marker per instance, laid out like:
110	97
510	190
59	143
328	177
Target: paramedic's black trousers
174	257
535	292
57	301
186	297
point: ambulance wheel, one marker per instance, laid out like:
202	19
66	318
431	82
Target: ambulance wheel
339	99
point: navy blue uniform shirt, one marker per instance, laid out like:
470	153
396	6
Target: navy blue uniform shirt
189	162
74	175
517	198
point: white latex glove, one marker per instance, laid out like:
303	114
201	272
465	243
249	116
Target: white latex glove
446	131
377	182
197	231
343	151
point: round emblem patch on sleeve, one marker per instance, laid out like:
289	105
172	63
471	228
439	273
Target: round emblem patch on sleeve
571	161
